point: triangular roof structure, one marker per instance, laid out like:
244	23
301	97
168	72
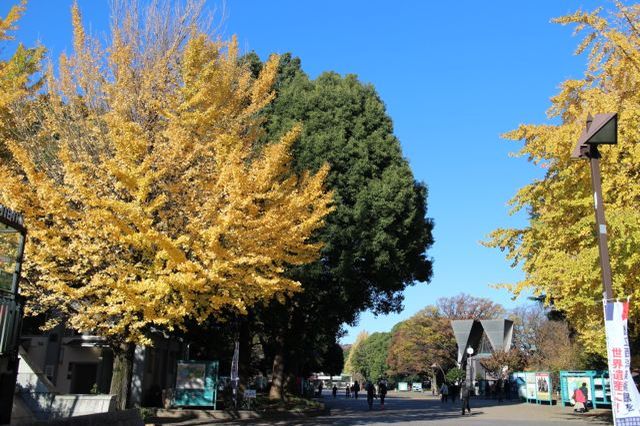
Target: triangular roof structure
462	331
499	333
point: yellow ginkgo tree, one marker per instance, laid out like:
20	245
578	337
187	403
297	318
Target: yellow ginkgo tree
16	76
146	200
558	249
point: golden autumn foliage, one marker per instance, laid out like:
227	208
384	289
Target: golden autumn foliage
145	197
15	75
558	249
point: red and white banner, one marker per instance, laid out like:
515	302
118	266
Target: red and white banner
625	399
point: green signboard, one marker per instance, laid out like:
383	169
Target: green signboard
196	384
596	382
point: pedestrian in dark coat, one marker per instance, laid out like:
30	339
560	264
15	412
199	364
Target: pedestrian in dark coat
465	394
382	392
453	392
371	393
444	392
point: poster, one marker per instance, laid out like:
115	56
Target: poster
625	399
531	385
403	386
190	376
543	386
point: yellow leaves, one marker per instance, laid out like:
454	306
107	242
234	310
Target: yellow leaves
558	249
8	23
153	203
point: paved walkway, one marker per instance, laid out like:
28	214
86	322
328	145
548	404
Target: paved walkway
421	409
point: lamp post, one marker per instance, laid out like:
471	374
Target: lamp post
469	354
600	130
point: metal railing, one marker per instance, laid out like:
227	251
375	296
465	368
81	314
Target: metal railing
10	313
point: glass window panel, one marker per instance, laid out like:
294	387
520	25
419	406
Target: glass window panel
9	241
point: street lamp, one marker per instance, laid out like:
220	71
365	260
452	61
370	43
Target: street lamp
600	130
469	353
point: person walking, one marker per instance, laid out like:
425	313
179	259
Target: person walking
585	392
371	393
453	392
382	392
444	392
581	401
356	389
334	391
465	394
347	391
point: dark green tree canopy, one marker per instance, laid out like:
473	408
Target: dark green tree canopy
376	239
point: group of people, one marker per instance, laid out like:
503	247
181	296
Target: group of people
352	390
581	396
369	388
451	392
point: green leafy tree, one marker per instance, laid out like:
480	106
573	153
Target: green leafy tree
370	357
375	240
333	360
455	375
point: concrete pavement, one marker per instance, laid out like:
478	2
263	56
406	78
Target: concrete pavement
422	409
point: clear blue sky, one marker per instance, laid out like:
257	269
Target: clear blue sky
454	77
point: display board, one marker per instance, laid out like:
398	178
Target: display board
403	386
533	386
544	391
597	383
196	384
532	389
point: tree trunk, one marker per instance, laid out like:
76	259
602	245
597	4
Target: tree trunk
277	376
121	377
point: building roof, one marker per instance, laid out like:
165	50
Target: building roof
469	333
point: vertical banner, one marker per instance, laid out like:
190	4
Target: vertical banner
625	399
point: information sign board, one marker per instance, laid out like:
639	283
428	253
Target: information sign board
543	387
196	384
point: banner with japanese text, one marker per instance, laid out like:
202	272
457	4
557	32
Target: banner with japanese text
625	399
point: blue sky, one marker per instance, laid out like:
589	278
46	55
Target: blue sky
454	77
